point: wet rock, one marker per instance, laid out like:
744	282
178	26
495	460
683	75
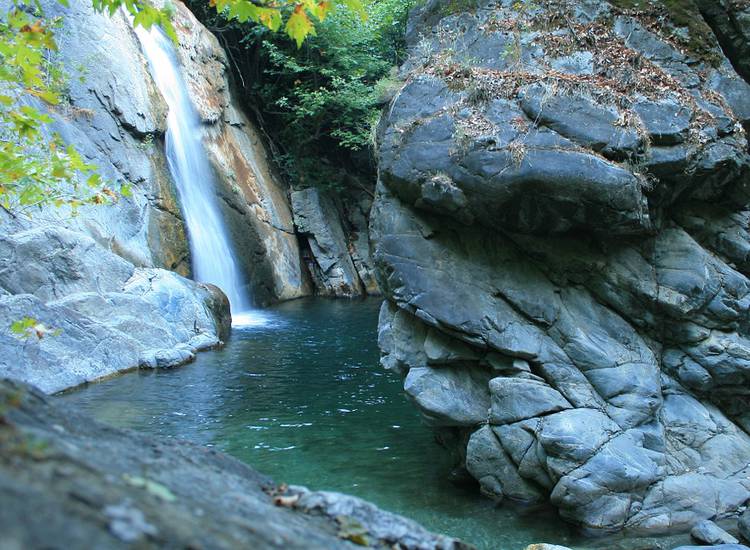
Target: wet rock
708	532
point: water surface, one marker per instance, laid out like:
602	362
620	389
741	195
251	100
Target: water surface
300	396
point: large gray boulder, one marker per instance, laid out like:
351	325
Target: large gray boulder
103	315
67	481
562	206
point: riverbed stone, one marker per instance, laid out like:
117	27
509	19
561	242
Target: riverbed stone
583	231
708	532
744	525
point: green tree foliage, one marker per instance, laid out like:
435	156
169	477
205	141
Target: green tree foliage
36	168
320	102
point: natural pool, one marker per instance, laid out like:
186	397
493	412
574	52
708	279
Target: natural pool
301	397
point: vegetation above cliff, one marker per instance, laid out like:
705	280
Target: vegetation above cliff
319	102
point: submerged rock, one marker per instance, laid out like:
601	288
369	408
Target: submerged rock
68	481
563	200
710	533
744	525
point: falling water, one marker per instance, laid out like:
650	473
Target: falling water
210	247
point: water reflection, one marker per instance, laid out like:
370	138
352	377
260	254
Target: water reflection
302	398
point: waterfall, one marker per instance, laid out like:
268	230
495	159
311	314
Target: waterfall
213	259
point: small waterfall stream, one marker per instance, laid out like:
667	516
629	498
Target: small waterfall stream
210	246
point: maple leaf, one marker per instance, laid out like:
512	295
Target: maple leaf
299	26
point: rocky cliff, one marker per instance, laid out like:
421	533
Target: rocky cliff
106	284
561	233
111	279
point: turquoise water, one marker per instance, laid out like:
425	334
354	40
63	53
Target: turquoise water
301	397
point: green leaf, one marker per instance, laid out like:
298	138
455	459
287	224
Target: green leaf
299	26
154	488
29	327
352	530
21	327
357	7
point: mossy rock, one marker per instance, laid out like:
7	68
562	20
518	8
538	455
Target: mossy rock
698	40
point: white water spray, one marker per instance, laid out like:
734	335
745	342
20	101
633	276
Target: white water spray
210	247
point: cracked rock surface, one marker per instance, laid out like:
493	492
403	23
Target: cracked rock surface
561	233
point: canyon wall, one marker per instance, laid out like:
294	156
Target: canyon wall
107	287
561	233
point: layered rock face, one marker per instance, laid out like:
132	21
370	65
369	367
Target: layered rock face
335	241
253	201
561	232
